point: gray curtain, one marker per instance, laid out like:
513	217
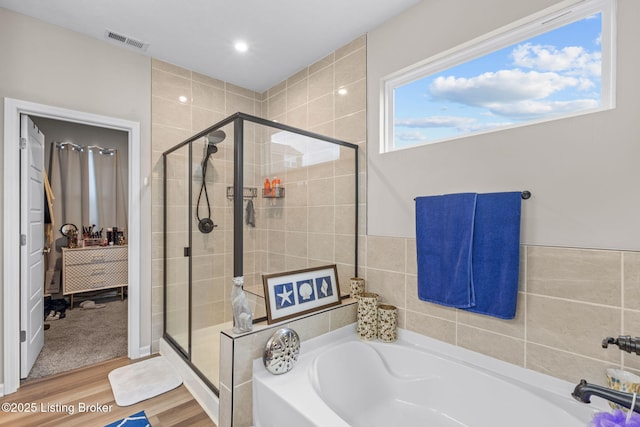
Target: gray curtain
79	202
110	202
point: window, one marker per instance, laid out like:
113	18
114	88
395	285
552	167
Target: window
546	68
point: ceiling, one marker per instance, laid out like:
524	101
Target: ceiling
283	36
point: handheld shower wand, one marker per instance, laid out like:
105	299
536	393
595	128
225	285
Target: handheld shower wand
205	224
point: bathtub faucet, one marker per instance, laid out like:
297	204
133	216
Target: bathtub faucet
584	391
624	342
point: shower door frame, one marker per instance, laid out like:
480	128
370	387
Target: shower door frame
238	120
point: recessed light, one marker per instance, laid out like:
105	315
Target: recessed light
342	91
182	99
241	46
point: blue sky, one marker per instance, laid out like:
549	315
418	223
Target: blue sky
553	74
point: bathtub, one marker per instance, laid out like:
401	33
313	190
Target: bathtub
339	380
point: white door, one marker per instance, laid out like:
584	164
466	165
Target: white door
31	244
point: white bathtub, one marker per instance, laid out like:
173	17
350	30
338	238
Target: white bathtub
417	381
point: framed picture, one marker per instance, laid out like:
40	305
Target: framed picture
294	293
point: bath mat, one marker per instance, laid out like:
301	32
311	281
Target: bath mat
143	380
136	420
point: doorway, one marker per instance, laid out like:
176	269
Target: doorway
85	308
11	230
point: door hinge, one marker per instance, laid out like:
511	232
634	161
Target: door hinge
23	239
23	336
23	143
187	251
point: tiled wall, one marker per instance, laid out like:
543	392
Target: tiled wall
238	352
308	100
569	300
207	101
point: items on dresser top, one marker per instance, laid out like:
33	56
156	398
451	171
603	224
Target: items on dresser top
93	268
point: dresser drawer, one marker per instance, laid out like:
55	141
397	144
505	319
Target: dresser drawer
95	256
78	278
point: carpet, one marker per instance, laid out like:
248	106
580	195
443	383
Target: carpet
142	380
83	338
136	420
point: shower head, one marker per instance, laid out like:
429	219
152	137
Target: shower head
212	139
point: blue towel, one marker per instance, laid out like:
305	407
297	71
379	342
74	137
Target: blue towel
444	235
490	275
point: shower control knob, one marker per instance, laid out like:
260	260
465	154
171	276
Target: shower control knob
206	225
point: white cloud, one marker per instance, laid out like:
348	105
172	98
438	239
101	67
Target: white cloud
436	122
536	109
462	124
500	86
574	60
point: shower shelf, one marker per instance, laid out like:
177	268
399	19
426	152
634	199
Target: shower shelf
273	193
248	193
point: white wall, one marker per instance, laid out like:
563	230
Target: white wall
49	65
583	171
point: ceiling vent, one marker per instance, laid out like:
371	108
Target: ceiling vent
112	35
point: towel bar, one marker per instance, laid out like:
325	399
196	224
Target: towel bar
525	195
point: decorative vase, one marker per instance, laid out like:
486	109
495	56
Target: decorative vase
387	323
367	316
357	287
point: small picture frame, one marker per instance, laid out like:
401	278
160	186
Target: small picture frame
294	293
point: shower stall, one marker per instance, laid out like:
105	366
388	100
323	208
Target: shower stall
248	197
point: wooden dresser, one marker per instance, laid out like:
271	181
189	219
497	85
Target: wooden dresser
94	268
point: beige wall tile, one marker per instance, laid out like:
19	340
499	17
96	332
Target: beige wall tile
322	63
344	316
321	219
352	46
411	265
296	94
567	366
321	246
434	327
354	100
243	405
321	82
345	219
239	103
513	328
351	68
631	268
174	69
170	113
170	86
389	285
593	276
277	104
571	326
499	346
386	253
352	128
414	304
209	81
209	97
322	110
631	326
297	77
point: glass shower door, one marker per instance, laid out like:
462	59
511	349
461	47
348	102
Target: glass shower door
176	246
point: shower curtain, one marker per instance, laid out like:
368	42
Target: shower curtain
88	189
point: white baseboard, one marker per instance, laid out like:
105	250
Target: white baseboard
1	389
200	391
145	351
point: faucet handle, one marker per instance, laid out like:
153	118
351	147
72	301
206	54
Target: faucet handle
609	340
624	342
